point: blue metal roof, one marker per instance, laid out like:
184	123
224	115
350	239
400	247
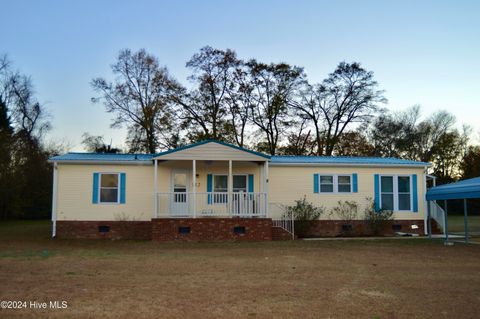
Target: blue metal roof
468	188
345	160
102	157
313	160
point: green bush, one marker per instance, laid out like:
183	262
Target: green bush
346	211
304	212
376	221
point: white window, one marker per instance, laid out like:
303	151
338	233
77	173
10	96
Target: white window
326	183
404	194
395	193
240	183
109	190
387	193
335	183
344	183
220	185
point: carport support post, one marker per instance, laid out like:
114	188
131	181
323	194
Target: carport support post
266	189
445	220
429	219
155	189
465	219
230	188
194	178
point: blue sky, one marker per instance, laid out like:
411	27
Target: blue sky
422	52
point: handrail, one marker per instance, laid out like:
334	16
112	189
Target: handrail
202	204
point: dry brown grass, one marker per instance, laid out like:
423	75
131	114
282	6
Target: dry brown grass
127	279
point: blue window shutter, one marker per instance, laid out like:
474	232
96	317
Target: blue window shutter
95	189
123	180
250	183
209	187
414	193
377	192
355	183
315	183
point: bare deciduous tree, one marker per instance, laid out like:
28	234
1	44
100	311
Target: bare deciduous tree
205	108
349	95
274	86
141	96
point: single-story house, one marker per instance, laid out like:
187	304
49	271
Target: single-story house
212	190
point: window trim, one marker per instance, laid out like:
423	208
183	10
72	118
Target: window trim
99	190
396	193
214	202
335	183
334	187
351	183
213	182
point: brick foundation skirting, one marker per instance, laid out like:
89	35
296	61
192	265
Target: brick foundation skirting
211	229
218	229
340	228
105	229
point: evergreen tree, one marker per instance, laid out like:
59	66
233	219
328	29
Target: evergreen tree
6	132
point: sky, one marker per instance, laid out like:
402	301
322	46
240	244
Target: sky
421	52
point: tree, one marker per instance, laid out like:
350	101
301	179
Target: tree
205	107
349	95
239	101
96	144
299	142
25	189
448	153
274	86
354	144
470	165
141	97
6	136
402	134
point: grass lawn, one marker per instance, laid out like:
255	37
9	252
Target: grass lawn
456	224
412	278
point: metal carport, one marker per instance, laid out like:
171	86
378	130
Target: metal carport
466	189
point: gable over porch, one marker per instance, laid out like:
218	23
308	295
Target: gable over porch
210	178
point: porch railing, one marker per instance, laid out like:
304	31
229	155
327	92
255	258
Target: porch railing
211	204
438	214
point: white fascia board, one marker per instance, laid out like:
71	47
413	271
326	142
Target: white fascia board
349	165
147	163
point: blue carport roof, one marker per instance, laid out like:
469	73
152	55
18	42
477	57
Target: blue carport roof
468	188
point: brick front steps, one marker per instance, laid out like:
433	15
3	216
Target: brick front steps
278	233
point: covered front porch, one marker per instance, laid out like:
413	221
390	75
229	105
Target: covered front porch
210	180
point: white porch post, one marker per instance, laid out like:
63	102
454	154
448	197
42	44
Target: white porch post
194	178
155	189
230	187
265	189
54	200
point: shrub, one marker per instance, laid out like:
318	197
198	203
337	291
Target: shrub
376	221
347	211
303	213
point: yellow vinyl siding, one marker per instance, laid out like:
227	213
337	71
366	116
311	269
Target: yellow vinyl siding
286	184
75	185
290	183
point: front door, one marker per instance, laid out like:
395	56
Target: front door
179	202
